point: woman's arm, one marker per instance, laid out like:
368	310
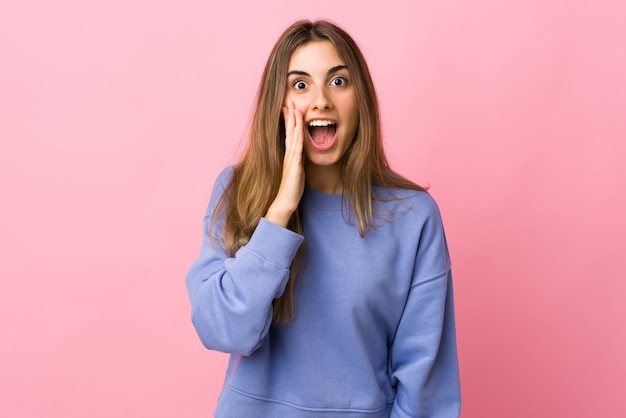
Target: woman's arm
231	297
423	354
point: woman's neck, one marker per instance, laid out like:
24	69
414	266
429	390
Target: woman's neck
324	179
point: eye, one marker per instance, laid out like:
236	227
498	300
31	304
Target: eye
339	81
299	85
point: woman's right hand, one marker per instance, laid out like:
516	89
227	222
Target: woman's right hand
292	182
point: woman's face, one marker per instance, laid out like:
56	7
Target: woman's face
320	85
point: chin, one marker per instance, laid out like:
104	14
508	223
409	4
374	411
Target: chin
319	161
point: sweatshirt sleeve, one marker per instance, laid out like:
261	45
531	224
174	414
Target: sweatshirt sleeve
231	297
423	362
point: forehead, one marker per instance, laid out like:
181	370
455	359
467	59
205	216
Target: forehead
316	55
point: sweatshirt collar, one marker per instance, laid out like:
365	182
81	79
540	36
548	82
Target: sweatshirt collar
325	201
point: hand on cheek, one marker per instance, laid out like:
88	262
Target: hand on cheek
292	181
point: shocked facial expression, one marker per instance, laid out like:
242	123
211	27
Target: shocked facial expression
320	85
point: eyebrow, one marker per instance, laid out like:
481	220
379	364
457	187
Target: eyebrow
331	71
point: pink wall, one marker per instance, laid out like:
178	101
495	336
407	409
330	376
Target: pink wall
116	116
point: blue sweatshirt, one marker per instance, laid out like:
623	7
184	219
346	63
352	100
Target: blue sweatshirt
374	334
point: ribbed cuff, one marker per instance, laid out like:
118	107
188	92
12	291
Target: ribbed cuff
274	243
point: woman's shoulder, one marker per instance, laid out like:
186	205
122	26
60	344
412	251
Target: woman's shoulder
419	198
414	203
219	186
224	177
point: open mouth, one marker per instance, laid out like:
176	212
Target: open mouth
322	132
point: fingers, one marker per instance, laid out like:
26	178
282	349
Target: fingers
298	134
294	133
288	114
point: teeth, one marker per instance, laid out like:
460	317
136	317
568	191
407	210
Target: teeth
321	123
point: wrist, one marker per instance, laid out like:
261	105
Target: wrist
278	216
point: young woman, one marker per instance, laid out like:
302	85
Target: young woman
325	274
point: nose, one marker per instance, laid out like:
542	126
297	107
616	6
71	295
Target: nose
321	101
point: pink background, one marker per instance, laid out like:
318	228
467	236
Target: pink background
116	116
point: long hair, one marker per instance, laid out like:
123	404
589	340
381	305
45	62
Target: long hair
257	177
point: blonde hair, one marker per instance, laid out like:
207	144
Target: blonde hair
256	178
